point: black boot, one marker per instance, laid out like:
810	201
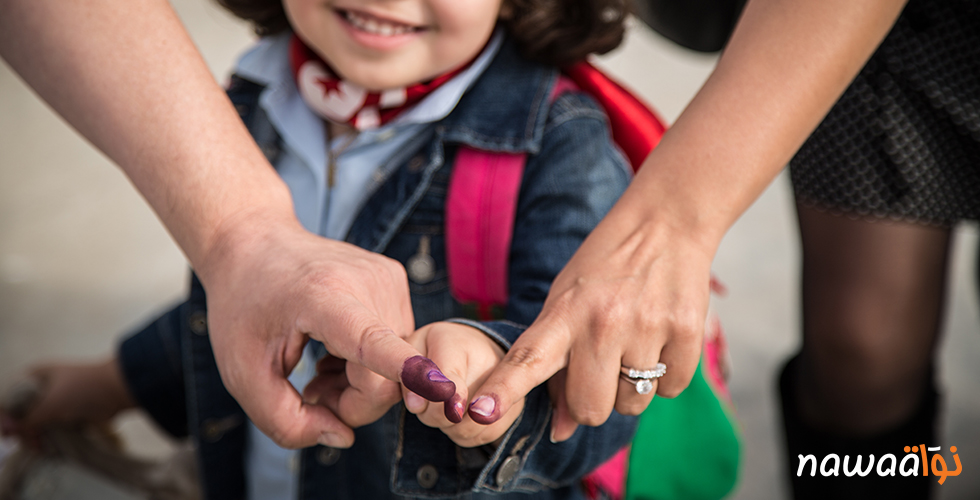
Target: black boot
802	439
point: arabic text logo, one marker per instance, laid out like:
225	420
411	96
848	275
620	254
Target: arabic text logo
888	464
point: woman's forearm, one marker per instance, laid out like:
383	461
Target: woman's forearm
636	292
787	63
127	76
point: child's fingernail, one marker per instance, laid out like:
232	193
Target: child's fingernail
454	409
414	402
481	410
421	376
332	440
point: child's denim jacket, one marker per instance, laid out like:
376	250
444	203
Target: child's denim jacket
573	176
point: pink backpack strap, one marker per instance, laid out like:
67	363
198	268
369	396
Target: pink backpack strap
480	210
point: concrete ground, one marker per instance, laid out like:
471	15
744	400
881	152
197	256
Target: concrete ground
83	259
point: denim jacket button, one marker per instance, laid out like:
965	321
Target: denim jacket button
421	267
415	164
198	321
213	429
327	456
270	152
508	470
427	476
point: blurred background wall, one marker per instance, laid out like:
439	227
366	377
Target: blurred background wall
83	259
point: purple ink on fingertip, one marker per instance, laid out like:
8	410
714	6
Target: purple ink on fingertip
483	409
421	376
454	409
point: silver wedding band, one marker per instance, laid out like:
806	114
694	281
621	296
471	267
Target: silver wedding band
643	379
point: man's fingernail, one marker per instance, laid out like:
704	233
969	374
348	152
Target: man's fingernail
332	440
421	376
454	409
482	409
414	402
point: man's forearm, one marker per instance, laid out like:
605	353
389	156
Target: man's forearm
786	65
127	76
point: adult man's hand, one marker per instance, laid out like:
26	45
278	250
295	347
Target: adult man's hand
270	290
271	284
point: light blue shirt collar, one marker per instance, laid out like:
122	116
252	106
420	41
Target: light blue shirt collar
267	63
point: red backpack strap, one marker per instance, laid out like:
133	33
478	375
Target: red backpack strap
636	129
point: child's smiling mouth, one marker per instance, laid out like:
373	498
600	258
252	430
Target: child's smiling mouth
375	25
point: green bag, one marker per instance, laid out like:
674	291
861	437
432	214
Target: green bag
686	448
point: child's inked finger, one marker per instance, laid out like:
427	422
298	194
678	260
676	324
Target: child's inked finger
454	409
421	376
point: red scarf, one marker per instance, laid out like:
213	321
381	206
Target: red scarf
341	101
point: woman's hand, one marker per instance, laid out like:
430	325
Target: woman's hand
629	297
637	289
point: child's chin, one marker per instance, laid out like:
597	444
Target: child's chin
384	79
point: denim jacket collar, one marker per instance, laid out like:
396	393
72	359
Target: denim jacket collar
506	108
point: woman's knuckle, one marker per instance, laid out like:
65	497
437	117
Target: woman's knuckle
608	324
689	322
650	319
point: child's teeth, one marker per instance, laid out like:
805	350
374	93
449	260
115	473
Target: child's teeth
375	27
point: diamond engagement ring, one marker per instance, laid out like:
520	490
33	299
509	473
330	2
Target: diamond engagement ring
642	379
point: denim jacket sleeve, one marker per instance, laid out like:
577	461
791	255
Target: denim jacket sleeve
152	366
568	187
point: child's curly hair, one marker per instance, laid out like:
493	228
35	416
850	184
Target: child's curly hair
555	32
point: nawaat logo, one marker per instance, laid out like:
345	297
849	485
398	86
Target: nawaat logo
888	464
